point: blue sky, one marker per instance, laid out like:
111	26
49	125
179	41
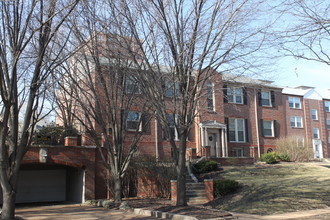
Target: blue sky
292	72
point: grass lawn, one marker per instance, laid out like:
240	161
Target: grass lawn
280	188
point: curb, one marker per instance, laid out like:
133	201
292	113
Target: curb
168	215
163	215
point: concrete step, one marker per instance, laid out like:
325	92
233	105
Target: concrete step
196	200
196	194
195	186
189	179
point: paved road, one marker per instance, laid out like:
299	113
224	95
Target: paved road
76	211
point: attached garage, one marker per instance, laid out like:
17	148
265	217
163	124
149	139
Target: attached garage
50	184
41	186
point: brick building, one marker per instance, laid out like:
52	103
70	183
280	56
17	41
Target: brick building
307	117
244	117
238	117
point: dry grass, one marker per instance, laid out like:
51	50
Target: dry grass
280	188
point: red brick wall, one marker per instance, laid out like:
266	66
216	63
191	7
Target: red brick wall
248	112
294	112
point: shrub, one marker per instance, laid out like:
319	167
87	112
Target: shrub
205	166
225	186
284	157
55	134
269	158
296	148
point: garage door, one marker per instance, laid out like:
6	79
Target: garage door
41	186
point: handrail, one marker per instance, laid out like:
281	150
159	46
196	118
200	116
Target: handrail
193	177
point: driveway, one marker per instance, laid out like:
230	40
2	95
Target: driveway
76	211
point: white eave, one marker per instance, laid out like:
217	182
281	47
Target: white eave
294	91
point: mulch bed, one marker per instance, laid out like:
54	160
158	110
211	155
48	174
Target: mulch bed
165	205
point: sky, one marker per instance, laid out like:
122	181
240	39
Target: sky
292	73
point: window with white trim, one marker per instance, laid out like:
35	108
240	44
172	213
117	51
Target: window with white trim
296	121
265	98
133	121
132	86
294	102
210	96
236	130
328	124
329	141
300	141
172	89
327	106
235	95
268	128
172	119
237	152
316	133
314	114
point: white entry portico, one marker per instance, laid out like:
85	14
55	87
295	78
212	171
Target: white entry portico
214	135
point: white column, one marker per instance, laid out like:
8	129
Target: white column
218	144
226	142
156	139
202	136
223	143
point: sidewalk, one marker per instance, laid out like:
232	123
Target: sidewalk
284	216
76	211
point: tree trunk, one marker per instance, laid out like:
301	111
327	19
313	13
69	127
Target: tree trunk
117	188
8	206
181	178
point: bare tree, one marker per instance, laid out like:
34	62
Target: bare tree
61	93
308	34
27	29
184	44
111	109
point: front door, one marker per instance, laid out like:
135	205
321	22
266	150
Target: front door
213	144
317	151
317	145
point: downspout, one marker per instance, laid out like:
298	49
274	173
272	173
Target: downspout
256	117
156	139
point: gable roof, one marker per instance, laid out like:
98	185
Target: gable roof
248	81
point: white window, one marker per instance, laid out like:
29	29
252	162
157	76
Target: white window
265	98
172	89
329	141
172	119
210	96
237	152
133	121
132	86
316	133
314	114
327	106
268	128
235	95
296	121
236	130
328	124
300	141
294	102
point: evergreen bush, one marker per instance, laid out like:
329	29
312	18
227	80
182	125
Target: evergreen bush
269	158
225	186
205	166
